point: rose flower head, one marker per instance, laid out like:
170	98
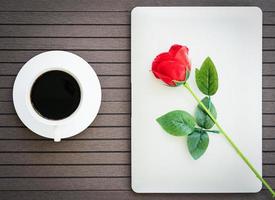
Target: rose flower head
172	67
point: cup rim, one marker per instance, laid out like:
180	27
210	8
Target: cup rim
88	82
36	113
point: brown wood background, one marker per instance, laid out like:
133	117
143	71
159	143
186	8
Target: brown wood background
95	164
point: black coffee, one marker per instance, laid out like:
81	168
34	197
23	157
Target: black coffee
55	95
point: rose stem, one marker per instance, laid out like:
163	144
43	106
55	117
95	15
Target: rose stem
186	85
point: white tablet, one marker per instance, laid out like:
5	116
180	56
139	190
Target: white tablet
232	37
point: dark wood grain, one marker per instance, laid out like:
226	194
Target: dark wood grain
99	158
74	43
92	56
65	146
121	5
71	171
88	18
65	183
71	31
69	158
129	195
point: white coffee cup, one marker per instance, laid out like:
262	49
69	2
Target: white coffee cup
88	83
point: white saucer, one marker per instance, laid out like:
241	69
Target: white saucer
90	94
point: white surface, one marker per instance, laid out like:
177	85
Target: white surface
90	94
232	37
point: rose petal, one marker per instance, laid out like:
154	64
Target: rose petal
173	69
160	58
174	49
182	56
164	78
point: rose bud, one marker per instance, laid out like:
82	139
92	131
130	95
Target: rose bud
172	67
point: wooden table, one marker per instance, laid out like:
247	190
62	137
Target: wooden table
95	164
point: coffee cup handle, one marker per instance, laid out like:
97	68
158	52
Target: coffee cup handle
56	136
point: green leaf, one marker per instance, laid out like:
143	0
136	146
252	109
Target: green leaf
197	143
207	77
202	118
177	123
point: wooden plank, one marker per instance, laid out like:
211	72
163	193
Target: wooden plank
269	145
65	158
269	82
268	107
269	56
68	171
80	158
268	95
64	146
269	69
100	120
91	18
119	195
269	18
269	170
72	31
268	157
269	132
65	184
269	44
268	120
69	43
105	81
268	31
12	133
89	56
105	108
120	5
100	69
107	95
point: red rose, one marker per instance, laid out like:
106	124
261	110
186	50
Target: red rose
172	67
